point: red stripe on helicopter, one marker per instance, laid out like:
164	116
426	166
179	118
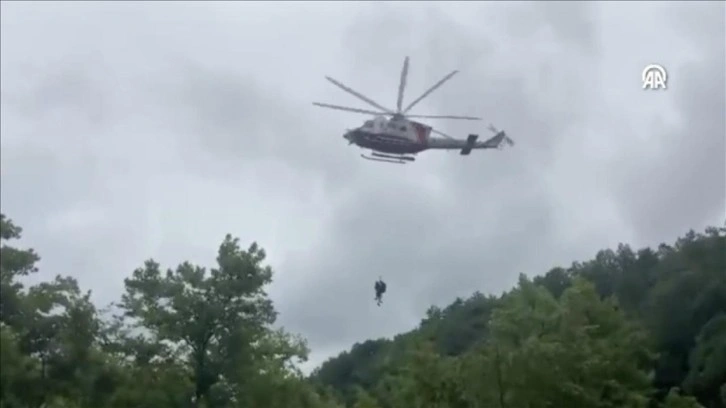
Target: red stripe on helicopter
421	132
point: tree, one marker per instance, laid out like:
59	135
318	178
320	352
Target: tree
675	399
217	320
576	351
434	379
689	292
52	325
485	380
18	372
364	400
14	263
556	281
708	362
610	354
60	329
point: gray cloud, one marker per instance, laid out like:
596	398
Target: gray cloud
684	185
157	131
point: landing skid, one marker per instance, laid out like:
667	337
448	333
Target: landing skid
388	158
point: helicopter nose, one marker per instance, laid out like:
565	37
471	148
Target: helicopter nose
349	137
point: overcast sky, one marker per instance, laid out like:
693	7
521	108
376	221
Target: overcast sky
138	130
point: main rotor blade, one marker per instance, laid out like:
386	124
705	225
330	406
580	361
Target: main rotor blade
357	95
444	117
428	92
345	108
442	134
402	85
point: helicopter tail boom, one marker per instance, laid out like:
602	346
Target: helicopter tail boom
470	141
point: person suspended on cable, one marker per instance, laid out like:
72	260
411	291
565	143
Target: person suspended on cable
380	288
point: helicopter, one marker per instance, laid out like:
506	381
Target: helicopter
399	139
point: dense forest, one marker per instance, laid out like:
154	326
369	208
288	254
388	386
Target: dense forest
642	328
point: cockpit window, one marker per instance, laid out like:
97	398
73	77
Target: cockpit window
368	124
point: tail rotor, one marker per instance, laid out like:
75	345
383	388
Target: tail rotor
498	132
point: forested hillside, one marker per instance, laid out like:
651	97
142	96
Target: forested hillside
627	329
621	330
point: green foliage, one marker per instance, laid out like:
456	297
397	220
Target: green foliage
185	338
18	372
675	399
14	263
630	329
578	351
620	330
364	400
708	360
214	319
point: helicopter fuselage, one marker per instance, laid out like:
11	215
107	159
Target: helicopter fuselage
397	147
381	142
